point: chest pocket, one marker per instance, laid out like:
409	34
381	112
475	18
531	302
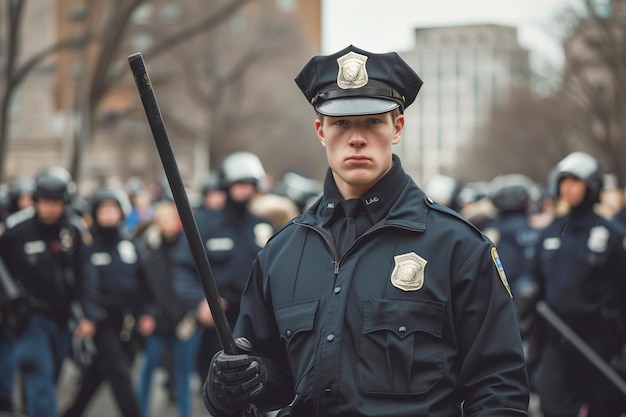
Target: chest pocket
400	351
295	323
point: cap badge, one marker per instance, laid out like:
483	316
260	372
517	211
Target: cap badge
352	72
408	273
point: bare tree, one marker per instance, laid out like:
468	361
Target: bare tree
525	135
530	134
15	67
109	54
594	86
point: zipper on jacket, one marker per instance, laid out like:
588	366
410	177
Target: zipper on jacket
331	244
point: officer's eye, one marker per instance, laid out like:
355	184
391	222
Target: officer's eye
373	121
341	122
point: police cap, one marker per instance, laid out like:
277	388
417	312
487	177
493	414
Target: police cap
354	82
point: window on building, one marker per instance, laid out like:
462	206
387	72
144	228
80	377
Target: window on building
171	12
286	6
238	24
142	42
142	14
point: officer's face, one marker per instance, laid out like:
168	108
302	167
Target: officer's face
242	191
168	222
572	191
108	214
358	149
49	211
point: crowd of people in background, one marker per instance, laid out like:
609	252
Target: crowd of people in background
100	278
106	278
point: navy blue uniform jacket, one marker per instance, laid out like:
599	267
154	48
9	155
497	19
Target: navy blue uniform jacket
379	332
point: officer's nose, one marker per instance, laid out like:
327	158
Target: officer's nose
357	139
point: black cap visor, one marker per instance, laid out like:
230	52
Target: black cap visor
356	106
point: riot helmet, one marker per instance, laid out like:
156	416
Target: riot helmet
55	184
513	192
19	194
116	194
583	166
471	192
299	188
443	189
210	182
242	167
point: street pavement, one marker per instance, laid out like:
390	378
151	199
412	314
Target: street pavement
103	403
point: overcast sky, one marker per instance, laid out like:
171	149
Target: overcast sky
386	25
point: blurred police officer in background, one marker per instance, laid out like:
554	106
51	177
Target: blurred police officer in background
20	194
41	248
232	238
175	330
444	189
300	189
213	195
513	195
580	268
113	296
473	204
376	301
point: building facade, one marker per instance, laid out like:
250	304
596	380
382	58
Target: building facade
466	70
49	106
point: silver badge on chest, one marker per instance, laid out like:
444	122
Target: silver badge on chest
408	272
127	252
598	239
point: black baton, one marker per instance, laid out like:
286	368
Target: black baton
161	139
555	321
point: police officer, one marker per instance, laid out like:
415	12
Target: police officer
376	301
300	189
213	195
114	301
20	194
41	248
579	265
232	237
513	195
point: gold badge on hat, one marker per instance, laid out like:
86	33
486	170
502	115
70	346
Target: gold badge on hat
408	273
352	72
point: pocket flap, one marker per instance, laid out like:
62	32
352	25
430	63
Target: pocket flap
296	318
403	317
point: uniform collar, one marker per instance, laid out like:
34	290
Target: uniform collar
377	200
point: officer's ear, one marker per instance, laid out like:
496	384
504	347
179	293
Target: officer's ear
398	127
319	129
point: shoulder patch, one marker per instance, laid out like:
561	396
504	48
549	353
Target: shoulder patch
500	269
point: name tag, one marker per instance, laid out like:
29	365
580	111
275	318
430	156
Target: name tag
34	247
220	244
100	259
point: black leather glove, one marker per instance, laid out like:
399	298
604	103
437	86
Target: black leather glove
234	381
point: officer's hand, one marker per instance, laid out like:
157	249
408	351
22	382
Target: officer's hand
147	324
204	315
234	381
85	328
